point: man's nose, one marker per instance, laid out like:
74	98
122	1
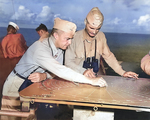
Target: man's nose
69	42
94	31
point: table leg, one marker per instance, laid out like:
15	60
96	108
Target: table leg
25	106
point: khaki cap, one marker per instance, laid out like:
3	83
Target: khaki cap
95	17
64	25
14	25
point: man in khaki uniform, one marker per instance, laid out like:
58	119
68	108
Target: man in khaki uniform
91	42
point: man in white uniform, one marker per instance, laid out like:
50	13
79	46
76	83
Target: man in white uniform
41	56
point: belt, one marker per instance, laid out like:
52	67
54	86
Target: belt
18	74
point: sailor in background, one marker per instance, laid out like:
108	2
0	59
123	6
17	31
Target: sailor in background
13	44
42	31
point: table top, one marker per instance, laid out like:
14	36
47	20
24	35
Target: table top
121	93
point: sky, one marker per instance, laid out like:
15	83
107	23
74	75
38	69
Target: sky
121	16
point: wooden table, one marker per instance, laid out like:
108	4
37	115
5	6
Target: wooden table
121	93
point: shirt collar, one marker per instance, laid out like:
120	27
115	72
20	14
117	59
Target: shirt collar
86	36
52	44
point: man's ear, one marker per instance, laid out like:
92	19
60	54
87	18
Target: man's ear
15	31
55	35
42	31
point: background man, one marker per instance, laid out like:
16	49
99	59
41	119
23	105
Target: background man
13	44
89	43
42	31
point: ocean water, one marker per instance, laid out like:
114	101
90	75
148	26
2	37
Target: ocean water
126	47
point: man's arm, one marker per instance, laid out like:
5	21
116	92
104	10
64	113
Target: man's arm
110	58
113	63
145	64
45	60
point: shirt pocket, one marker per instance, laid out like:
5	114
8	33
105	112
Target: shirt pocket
79	54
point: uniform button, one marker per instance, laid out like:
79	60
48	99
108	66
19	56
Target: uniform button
55	56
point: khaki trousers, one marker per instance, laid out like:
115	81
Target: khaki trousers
10	99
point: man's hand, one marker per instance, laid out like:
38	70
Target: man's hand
99	81
89	73
130	75
37	77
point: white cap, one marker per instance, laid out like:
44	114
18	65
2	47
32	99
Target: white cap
14	25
